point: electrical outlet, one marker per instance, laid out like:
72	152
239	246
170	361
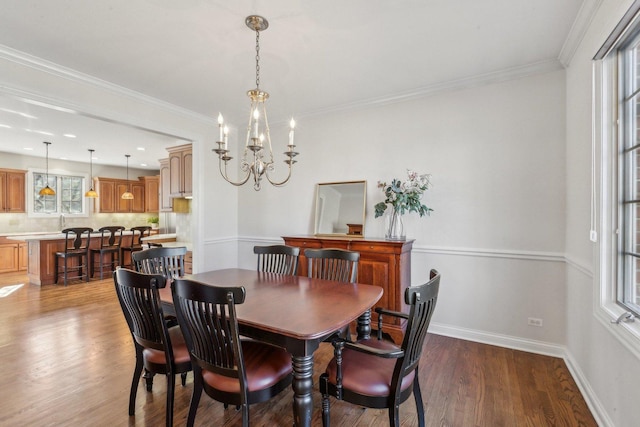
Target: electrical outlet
532	321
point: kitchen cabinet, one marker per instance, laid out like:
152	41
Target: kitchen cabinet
106	201
13	255
12	191
135	205
109	196
165	196
382	263
23	256
188	263
180	171
151	193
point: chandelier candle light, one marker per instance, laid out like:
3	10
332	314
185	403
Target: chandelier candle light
257	159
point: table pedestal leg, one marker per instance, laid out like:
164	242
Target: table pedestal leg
302	388
364	326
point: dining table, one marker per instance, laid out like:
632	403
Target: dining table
293	312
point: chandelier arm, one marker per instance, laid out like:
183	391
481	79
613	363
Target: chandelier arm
226	177
281	183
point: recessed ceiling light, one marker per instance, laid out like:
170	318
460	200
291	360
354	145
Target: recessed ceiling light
140	148
28	116
5	126
41	132
28	148
69	135
143	164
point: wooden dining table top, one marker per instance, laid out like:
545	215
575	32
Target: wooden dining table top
293	306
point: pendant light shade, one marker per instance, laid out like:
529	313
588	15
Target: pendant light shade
92	194
47	191
127	195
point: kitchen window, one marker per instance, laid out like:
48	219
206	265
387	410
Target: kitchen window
69	199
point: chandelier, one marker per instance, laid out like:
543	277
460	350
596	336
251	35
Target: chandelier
257	159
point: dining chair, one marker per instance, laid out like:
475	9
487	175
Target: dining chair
76	251
169	262
110	241
229	370
160	260
332	264
375	373
135	244
159	349
280	259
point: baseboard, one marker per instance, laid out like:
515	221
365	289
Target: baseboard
515	343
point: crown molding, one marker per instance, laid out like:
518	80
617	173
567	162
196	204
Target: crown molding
42	65
498	76
578	30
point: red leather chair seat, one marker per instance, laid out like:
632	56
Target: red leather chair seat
366	374
265	365
180	351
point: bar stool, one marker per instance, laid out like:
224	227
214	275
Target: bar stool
110	241
138	233
76	246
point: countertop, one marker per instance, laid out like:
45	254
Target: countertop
52	235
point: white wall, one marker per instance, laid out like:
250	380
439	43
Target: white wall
603	367
497	155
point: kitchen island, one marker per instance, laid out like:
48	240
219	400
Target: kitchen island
41	253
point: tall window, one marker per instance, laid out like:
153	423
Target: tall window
616	200
629	242
68	199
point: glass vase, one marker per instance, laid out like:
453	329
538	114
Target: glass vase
394	228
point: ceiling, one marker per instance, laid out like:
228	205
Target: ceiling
315	57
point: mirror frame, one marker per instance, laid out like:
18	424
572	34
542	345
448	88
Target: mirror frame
354	230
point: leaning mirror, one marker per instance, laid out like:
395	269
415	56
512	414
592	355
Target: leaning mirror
340	208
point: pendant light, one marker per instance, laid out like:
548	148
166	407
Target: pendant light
127	195
47	191
91	193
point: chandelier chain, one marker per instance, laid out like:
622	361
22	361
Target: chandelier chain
257	59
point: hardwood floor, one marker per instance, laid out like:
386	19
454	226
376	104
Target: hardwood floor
67	359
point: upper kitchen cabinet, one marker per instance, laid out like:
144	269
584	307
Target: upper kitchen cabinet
135	205
151	193
180	171
109	192
12	190
165	177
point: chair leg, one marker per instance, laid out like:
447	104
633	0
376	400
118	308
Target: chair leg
183	378
245	414
55	267
417	394
86	265
171	385
326	419
195	397
394	415
134	384
148	376
66	268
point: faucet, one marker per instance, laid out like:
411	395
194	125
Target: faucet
62	221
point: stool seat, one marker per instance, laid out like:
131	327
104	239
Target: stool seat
110	243
76	249
138	233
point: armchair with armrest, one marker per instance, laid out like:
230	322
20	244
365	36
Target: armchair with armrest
376	373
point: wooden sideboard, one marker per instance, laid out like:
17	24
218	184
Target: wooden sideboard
382	263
